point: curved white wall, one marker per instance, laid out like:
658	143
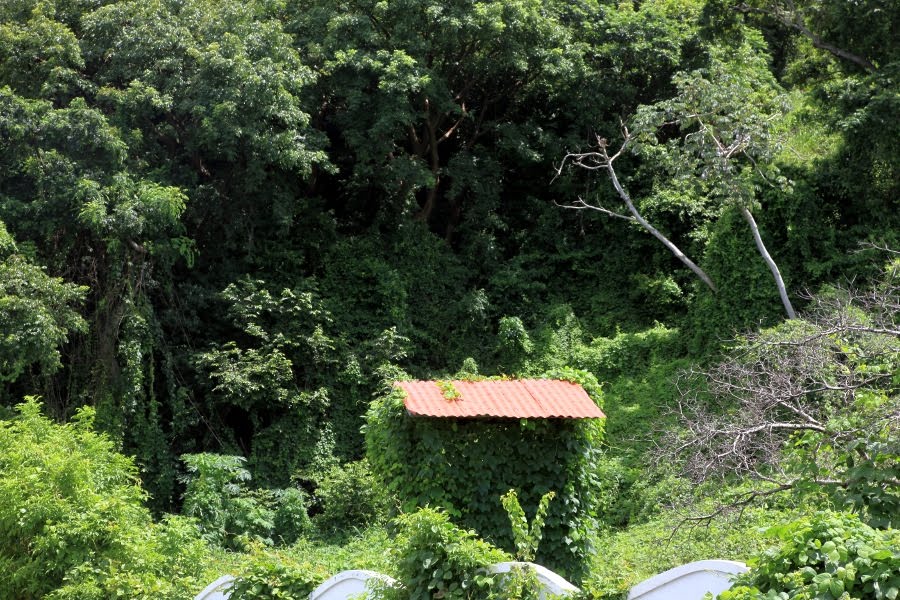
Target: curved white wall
347	584
687	582
690	581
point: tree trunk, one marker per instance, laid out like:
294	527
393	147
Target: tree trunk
782	291
424	213
668	244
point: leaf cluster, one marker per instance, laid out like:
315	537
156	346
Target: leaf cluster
73	522
434	558
832	556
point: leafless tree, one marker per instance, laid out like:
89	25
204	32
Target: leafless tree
802	403
727	144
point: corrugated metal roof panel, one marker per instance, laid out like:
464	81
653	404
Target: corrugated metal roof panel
515	399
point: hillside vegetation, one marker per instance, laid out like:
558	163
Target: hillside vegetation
226	226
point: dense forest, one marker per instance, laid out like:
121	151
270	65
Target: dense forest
226	226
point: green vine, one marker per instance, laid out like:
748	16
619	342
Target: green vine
448	390
527	539
464	465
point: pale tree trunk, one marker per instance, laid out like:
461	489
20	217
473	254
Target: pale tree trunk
782	291
655	233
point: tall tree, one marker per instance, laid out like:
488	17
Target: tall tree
726	116
420	96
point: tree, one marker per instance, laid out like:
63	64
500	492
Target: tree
601	159
37	314
726	115
419	96
811	405
856	33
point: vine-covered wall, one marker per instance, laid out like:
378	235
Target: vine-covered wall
465	465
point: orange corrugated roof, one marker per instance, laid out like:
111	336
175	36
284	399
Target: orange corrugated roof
518	399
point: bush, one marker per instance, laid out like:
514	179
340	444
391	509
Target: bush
350	498
435	559
232	515
291	517
228	512
73	523
826	556
270	576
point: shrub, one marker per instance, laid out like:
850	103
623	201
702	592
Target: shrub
232	515
291	517
228	512
270	576
826	556
350	498
73	523
435	559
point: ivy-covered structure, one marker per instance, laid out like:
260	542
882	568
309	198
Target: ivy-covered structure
460	445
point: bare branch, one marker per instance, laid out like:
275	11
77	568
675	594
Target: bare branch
580	204
601	160
821	388
770	262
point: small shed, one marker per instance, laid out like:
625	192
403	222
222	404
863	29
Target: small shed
461	444
499	398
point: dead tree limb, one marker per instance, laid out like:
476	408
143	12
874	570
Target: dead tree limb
602	160
761	247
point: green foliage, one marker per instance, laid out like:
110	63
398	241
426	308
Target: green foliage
464	466
52	48
36	314
746	295
448	390
434	558
514	343
291	519
808	407
350	498
367	549
270	576
228	513
72	520
274	377
828	556
526	537
232	515
382	170
666	541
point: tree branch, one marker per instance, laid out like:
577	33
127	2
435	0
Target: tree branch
601	159
794	19
779	282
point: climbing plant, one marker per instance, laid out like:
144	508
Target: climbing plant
465	465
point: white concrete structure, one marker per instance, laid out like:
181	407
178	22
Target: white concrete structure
553	584
348	584
217	590
690	581
687	582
